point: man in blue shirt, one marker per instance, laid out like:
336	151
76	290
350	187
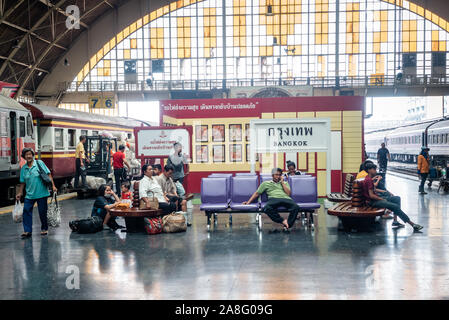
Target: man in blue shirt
36	191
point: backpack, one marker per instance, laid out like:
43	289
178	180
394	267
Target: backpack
90	225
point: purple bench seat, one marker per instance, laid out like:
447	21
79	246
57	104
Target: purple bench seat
243	188
214	194
304	192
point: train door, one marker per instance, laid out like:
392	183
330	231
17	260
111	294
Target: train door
13	134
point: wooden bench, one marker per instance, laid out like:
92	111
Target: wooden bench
354	213
134	216
347	192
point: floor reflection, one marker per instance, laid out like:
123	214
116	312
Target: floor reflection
236	261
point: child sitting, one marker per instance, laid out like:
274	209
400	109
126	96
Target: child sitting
126	194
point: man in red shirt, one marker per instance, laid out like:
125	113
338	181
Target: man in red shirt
118	160
390	202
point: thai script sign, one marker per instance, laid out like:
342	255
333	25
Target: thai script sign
290	135
159	142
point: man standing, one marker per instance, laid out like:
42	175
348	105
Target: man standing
178	160
80	161
390	202
278	193
383	156
118	160
423	168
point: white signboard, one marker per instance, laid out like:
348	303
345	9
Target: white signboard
291	135
159	142
287	136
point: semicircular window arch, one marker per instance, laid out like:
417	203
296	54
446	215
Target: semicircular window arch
273	39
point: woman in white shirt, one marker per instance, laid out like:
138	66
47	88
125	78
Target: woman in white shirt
149	186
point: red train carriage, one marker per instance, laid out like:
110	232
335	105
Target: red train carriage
16	133
58	132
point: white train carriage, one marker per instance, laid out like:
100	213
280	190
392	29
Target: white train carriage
438	140
405	143
373	141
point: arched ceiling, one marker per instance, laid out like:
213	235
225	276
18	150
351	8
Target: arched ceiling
35	40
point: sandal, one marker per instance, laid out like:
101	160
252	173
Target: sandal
25	235
44	233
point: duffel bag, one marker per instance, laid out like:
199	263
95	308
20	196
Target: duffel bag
90	225
174	222
153	225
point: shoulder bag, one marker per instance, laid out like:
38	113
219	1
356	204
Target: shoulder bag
153	203
44	176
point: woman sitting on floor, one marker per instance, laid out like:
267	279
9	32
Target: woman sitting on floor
106	200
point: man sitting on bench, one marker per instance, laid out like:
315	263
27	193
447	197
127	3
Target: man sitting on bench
389	202
278	193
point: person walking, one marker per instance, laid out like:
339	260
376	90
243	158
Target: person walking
118	162
423	168
36	191
80	162
383	156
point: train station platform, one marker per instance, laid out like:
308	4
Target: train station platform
235	262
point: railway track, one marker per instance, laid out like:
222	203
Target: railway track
409	169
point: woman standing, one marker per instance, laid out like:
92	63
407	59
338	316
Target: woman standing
36	191
423	167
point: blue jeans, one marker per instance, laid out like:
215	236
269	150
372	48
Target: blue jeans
392	203
28	213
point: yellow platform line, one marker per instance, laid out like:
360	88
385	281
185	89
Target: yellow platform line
60	198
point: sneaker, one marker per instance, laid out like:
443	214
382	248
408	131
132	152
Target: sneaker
387	216
396	224
417	227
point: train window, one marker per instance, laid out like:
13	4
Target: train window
22	127
3	124
84	132
59	139
72	138
29	126
130	135
95	133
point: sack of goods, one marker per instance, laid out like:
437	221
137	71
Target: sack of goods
174	222
90	225
17	213
153	225
54	212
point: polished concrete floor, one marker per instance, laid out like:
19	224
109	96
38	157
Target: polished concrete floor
235	262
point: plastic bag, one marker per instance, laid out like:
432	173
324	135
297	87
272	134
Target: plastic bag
17	213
